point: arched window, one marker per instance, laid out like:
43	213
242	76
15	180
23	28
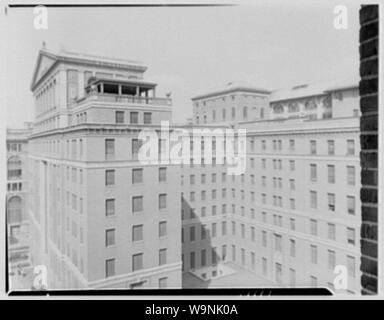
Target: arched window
293	107
14	210
310	105
14	168
278	109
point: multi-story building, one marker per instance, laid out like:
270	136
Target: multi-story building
16	198
234	102
294	215
95	222
288	220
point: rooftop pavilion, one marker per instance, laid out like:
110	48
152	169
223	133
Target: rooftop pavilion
123	90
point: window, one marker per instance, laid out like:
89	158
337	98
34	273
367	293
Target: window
213	230
331	202
292	145
119	116
162	257
292	165
137	204
278	272
192	235
242	231
264	238
313	147
223	228
264	181
292	204
137	176
134	117
245	112
292	248
136	144
313	171
109	267
331	173
264	198
351	205
203	257
351	265
233	253
109	237
263	145
162	229
292	277
214	256
137	261
243	257
137	233
253	234
351	235
313	199
313	254
147	118
192	260
162	174
203	232
163	282
331	259
331	147
331	231
264	266
109	177
351	175
292	184
350	147
109	149
162	201
313	227
278	241
292	223
233	113
263	163
313	281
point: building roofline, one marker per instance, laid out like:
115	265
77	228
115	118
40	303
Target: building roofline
229	90
84	60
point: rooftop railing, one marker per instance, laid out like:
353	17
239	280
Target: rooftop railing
125	98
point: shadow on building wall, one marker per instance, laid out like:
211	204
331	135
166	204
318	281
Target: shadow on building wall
193	250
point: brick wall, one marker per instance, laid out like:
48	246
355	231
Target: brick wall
369	25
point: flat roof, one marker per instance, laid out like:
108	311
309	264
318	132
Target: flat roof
310	90
232	87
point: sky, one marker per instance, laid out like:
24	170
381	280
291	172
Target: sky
188	51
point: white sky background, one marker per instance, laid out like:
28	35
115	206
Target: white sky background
191	50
